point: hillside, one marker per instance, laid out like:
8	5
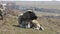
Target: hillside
51	25
48	16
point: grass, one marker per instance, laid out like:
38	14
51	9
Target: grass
50	28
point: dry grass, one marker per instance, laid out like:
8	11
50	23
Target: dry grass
51	25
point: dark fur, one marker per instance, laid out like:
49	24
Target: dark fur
1	15
27	16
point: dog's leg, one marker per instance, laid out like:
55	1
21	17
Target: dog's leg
22	24
41	28
28	25
37	26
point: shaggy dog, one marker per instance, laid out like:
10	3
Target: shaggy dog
28	20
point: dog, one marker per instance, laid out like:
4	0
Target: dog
28	20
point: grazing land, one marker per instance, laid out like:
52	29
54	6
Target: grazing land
49	21
50	24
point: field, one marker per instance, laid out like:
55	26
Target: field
51	26
49	21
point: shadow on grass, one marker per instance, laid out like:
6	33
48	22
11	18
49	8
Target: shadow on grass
17	26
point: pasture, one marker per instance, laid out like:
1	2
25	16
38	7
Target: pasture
51	25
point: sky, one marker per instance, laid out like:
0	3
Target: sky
29	0
26	0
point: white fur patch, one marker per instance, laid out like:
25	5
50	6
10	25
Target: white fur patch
28	26
37	25
21	14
